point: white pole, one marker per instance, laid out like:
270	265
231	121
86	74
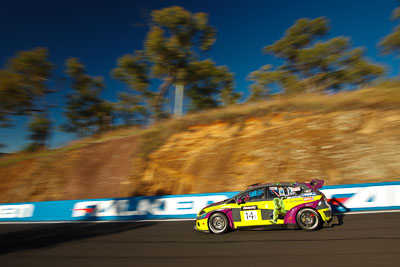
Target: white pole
178	105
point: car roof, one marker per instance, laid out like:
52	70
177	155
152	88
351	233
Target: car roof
274	184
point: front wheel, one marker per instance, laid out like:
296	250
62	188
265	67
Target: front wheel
308	219
218	223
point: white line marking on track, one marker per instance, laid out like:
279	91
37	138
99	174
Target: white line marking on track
171	220
109	221
366	212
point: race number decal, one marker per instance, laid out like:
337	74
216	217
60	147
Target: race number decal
250	215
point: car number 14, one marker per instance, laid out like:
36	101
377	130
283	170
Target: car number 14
250	215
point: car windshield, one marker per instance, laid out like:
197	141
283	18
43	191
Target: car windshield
251	194
238	194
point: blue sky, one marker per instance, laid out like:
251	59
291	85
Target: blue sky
98	32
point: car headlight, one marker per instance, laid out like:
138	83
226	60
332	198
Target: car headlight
201	214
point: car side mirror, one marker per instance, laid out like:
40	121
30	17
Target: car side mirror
240	201
231	201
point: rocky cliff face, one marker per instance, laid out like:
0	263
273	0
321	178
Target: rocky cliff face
340	147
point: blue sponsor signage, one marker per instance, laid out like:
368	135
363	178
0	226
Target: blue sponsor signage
343	198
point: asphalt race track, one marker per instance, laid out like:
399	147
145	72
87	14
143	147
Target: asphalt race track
361	240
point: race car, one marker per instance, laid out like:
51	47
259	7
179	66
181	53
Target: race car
298	204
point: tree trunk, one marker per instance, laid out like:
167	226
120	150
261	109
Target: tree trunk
159	99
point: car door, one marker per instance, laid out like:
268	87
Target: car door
251	208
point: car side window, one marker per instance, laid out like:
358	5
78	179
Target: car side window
270	194
284	191
253	195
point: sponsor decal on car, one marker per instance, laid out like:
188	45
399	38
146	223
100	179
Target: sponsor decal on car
250	215
296	199
309	194
249	207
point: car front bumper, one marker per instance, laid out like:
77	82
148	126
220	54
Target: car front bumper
201	225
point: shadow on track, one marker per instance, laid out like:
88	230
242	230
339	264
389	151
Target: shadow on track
53	234
339	209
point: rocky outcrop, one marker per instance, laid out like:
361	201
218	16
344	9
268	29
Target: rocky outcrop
340	147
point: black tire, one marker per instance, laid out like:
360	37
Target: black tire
308	219
218	223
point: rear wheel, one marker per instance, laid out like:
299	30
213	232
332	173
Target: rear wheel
218	223
308	219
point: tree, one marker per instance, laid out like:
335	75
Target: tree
391	43
24	83
23	87
267	76
39	128
130	109
310	65
208	85
171	46
86	112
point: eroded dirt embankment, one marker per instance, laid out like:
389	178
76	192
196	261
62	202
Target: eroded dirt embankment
97	170
341	147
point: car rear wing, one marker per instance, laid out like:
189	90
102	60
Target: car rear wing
317	184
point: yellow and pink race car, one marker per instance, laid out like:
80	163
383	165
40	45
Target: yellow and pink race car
298	204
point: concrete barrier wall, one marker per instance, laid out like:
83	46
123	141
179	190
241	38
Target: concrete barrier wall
343	198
